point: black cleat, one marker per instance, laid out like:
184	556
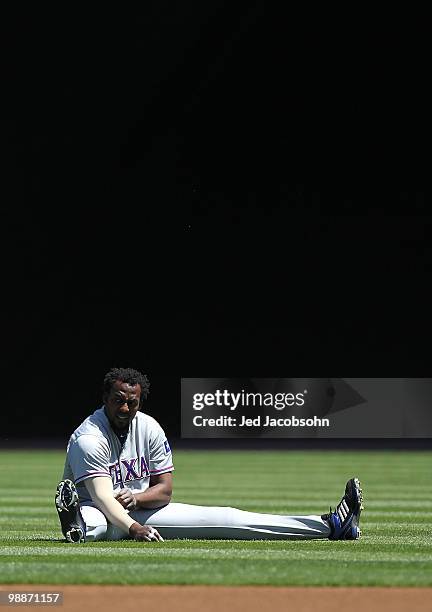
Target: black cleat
344	521
67	505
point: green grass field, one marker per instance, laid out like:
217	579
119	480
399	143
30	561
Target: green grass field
396	547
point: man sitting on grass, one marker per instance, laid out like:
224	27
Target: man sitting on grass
117	483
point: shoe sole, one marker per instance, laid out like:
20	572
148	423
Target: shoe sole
75	534
59	502
355	530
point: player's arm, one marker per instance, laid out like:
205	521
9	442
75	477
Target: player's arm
158	494
101	492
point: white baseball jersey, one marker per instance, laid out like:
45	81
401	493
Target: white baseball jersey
95	450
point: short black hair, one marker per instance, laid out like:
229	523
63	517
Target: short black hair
127	375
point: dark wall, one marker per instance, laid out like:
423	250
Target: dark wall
210	190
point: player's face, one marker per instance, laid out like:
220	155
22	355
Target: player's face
122	403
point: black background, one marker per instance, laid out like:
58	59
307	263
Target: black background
210	190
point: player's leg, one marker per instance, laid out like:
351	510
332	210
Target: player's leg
177	520
204	522
96	523
219	522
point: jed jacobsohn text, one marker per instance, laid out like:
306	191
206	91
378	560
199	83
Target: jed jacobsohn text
229	421
230	400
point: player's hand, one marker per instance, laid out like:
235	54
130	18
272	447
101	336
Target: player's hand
144	533
126	498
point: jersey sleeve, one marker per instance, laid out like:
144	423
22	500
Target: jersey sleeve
161	460
88	456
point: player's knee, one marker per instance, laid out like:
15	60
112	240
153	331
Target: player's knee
96	523
95	533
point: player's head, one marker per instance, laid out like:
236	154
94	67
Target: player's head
124	391
127	375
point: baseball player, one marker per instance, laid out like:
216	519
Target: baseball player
117	483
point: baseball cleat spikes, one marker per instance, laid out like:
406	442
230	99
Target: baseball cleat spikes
344	520
66	495
75	535
67	505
